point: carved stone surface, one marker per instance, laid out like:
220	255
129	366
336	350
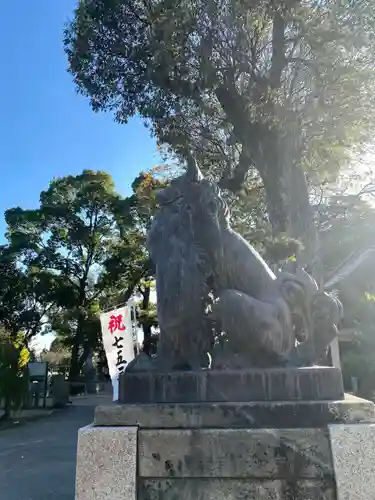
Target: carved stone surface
212	284
234	453
310	414
292	384
235	489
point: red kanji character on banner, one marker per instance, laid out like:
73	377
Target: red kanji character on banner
115	323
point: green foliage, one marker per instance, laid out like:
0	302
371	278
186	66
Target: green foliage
24	295
146	310
359	361
282	248
58	362
357	294
267	89
129	264
82	249
63	246
13	372
127	57
346	224
58	356
148	316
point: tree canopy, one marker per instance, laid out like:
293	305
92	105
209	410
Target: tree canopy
25	295
276	88
82	249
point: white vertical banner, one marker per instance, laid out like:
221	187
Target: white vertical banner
117	334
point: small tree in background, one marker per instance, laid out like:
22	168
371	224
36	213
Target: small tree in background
58	356
13	373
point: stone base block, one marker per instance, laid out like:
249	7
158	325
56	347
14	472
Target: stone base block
235	489
234	454
353	452
106	463
131	463
316	383
308	414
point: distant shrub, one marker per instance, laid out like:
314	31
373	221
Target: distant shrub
13	374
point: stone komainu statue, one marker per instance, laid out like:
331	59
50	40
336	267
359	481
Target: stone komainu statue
207	274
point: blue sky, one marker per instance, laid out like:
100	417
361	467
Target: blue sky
46	129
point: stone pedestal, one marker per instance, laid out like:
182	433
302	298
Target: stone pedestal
353	451
282	384
106	463
238	450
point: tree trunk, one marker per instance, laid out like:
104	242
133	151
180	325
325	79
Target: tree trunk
7	408
146	268
146	326
83	358
302	224
287	193
146	331
75	367
274	173
146	298
276	198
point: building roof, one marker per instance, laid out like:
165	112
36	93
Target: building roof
350	265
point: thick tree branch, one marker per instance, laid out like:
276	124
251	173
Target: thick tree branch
136	279
234	182
278	50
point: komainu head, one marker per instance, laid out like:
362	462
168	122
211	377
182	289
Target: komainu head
195	204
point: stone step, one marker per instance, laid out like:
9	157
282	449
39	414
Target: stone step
313	414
